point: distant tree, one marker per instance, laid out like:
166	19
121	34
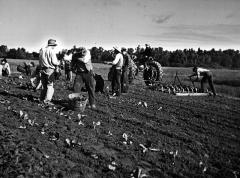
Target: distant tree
29	56
21	53
226	61
12	53
3	51
106	56
236	61
35	55
96	54
188	57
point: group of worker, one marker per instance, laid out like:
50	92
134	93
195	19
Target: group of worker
79	62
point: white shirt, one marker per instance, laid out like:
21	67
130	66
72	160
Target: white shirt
118	61
48	58
86	58
87	61
201	70
67	57
6	66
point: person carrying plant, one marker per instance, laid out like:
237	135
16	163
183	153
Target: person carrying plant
82	65
35	78
205	75
49	63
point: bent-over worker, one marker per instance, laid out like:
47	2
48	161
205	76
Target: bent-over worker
206	76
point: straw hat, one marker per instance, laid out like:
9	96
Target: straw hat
52	42
117	48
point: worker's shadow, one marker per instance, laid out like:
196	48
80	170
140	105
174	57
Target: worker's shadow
65	104
20	96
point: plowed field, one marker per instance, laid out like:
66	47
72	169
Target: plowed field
141	134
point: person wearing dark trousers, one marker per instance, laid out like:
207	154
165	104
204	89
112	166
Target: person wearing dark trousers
116	82
82	65
67	61
117	72
206	77
28	67
125	71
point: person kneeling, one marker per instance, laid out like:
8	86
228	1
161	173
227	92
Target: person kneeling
5	68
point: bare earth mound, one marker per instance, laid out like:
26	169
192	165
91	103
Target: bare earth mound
143	133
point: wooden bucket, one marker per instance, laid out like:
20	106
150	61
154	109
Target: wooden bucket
77	102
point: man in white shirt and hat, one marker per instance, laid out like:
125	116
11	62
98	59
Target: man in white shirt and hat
117	72
49	63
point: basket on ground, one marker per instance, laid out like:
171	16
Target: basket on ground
77	101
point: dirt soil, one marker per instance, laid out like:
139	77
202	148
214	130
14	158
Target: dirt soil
141	134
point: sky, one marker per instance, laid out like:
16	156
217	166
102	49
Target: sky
171	24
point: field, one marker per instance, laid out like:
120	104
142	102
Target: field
227	82
144	133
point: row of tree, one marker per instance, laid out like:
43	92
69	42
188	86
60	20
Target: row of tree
181	58
19	53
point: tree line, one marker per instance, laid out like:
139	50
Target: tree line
19	53
179	58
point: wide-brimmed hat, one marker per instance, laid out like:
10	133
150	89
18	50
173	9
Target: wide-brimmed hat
117	48
52	42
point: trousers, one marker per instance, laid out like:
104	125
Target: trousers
208	77
47	79
89	81
124	80
116	81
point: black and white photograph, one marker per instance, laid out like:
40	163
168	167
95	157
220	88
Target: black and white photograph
119	88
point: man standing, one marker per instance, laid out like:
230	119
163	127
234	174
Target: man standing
148	51
82	66
67	61
125	71
48	62
117	72
206	76
147	54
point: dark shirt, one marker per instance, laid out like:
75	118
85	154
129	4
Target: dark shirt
67	65
148	52
77	65
126	61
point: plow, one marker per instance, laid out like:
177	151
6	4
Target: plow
177	88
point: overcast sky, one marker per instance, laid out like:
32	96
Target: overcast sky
171	24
